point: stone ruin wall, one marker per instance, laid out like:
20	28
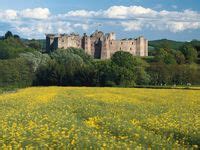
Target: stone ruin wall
66	41
98	45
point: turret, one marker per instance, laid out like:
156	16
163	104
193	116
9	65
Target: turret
105	50
141	46
86	44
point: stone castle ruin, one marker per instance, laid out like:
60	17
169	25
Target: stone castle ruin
98	45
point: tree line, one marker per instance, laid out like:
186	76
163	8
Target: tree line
23	64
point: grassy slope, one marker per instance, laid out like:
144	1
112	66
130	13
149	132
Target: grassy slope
100	117
160	43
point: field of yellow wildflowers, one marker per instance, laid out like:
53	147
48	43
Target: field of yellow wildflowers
108	118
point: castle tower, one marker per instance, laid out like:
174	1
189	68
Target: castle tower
86	44
112	36
105	51
50	42
141	46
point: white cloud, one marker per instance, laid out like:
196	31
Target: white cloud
132	25
82	13
38	21
85	27
8	14
181	26
36	13
124	12
137	17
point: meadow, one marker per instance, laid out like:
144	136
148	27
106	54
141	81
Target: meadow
100	118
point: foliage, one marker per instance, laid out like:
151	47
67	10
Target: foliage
123	59
15	72
8	35
100	118
170	65
12	47
36	58
189	52
162	74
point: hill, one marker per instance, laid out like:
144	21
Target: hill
165	42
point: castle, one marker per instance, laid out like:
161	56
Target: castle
98	45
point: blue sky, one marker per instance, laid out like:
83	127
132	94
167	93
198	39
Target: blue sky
155	19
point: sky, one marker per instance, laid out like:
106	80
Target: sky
155	19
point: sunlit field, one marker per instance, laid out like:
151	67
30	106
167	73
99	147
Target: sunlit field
66	117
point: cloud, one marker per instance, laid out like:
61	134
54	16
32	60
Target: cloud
38	21
132	25
134	18
36	13
181	26
8	14
82	13
85	27
124	12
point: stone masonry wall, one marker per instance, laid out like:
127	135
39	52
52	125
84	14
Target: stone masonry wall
98	45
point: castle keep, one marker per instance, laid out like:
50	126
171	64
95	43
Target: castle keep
98	45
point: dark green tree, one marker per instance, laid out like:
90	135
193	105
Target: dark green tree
189	52
8	35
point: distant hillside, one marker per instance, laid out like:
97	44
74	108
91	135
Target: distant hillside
164	42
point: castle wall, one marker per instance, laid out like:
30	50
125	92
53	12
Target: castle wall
122	45
98	45
65	42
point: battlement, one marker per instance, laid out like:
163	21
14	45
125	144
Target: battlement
98	44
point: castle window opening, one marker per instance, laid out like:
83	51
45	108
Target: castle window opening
121	43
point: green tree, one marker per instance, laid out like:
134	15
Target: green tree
36	58
15	72
180	58
165	57
123	59
8	35
189	52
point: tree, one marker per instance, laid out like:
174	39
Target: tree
36	58
8	35
16	36
189	52
35	44
164	56
11	48
180	58
123	59
15	72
